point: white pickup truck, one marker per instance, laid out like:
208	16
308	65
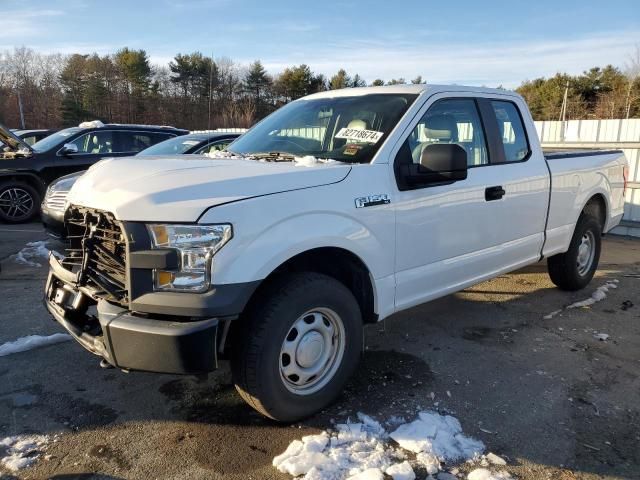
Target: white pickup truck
337	210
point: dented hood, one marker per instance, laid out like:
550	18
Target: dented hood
181	188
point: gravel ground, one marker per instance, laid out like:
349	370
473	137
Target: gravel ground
543	393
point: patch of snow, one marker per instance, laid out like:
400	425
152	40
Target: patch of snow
21	451
438	434
92	124
362	450
306	161
395	420
33	252
401	471
311	161
223	154
495	459
32	341
597	296
368	474
484	474
429	461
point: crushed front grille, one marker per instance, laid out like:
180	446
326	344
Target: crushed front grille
98	252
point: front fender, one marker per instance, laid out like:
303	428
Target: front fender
269	230
256	255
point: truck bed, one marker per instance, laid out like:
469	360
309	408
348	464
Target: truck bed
581	175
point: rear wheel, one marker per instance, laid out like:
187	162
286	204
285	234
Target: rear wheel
574	269
298	346
19	202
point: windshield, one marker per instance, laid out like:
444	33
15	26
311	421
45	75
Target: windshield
176	145
55	139
347	129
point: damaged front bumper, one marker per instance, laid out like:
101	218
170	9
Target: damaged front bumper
127	340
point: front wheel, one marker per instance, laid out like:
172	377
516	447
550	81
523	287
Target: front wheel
574	269
19	202
297	347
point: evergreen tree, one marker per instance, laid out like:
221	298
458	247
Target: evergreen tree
135	74
256	83
340	80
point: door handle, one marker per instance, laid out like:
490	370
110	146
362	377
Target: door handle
494	193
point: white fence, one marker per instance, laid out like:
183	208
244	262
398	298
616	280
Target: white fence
603	134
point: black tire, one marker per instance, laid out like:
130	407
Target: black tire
564	269
257	356
19	202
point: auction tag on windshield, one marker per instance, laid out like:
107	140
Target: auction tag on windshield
368	136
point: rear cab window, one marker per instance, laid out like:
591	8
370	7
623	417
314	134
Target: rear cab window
511	128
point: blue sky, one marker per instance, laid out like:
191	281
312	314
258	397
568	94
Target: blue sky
460	41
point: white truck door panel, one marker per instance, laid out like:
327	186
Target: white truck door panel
440	232
451	236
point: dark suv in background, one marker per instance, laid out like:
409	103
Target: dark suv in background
53	205
26	170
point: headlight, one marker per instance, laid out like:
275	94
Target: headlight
196	245
64	183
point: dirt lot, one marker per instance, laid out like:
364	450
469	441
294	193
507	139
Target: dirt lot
543	393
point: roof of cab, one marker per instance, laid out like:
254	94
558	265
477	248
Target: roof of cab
409	89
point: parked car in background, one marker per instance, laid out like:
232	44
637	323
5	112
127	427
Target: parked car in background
339	209
52	208
196	143
26	170
34	135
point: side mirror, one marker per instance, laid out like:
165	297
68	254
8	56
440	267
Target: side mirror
439	163
69	149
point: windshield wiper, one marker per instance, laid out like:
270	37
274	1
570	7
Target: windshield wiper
272	156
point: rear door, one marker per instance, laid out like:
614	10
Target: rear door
451	236
130	142
523	175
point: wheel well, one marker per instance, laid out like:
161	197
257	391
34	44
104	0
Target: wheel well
597	208
34	182
337	263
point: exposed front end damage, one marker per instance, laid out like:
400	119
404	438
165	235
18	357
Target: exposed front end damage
89	293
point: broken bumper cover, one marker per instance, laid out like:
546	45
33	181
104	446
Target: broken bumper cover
126	340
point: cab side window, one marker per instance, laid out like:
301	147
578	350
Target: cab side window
100	141
453	120
510	127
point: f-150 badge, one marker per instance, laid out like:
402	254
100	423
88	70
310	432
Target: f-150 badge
372	200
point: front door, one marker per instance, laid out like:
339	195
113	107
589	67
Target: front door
451	236
92	146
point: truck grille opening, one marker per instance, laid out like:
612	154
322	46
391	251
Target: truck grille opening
97	251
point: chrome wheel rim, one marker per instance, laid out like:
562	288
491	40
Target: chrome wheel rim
586	253
16	203
312	351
